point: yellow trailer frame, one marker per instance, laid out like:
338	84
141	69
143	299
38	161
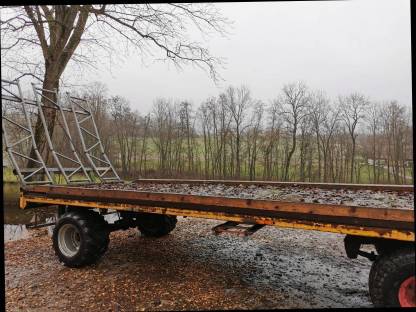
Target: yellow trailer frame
396	224
403	235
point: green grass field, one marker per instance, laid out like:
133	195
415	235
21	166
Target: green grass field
8	176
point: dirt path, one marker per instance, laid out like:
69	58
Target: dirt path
190	269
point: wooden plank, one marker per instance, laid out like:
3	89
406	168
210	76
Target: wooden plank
163	199
347	186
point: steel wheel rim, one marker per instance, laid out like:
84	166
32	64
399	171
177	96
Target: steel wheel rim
407	292
69	240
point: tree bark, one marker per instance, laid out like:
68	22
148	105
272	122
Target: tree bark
50	82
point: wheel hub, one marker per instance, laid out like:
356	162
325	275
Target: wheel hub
69	240
407	292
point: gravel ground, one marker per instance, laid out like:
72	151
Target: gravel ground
363	198
190	269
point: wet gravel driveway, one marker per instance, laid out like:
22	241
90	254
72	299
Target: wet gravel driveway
190	269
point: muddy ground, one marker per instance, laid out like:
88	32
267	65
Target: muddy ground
190	269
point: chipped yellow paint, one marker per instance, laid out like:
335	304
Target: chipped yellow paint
22	201
294	224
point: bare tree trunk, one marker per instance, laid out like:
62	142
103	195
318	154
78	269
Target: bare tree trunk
352	159
289	156
319	156
50	82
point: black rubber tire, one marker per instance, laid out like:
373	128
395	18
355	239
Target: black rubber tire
386	275
94	237
155	225
386	246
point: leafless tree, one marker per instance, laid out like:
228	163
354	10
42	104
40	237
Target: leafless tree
319	110
125	129
294	102
162	127
395	129
187	125
253	136
305	148
96	95
352	109
373	118
205	120
143	152
330	124
238	101
179	140
71	33
271	144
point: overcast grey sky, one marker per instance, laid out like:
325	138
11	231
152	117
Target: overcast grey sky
337	46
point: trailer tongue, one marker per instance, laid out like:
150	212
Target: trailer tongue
81	234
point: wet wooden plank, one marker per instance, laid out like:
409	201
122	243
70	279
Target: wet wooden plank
346	186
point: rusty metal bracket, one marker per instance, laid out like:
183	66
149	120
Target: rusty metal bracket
236	228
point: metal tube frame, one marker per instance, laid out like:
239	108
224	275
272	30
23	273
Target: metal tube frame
11	146
101	171
24	174
38	92
56	155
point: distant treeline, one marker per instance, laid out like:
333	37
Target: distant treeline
301	135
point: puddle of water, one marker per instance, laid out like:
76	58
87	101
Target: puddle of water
12	213
15	232
15	219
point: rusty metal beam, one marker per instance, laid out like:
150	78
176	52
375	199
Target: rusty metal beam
336	186
394	234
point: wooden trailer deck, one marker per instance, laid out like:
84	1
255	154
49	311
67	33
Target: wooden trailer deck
389	223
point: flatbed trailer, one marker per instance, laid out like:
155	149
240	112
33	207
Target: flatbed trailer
383	223
389	230
81	234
